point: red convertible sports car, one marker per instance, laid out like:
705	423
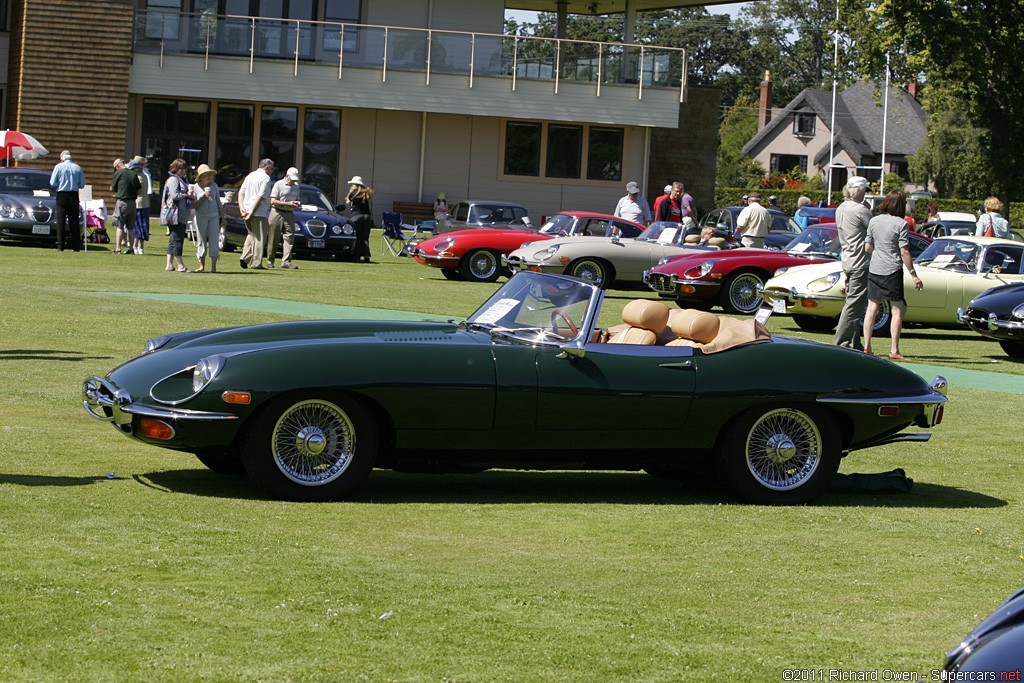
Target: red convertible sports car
475	255
733	279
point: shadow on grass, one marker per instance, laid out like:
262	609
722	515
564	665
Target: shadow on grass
45	480
47	354
505	487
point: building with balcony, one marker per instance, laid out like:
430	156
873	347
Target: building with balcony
416	96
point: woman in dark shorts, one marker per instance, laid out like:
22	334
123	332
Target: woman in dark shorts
887	242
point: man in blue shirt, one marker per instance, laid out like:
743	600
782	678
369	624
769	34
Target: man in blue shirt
67	179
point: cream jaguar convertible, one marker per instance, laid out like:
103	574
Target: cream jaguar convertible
953	270
603	260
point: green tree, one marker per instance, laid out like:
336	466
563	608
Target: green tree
953	156
739	125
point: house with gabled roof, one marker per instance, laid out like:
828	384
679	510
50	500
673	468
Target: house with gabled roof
799	135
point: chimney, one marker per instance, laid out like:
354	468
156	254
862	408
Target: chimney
764	112
912	88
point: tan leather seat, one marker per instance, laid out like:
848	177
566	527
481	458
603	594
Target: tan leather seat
693	327
646	319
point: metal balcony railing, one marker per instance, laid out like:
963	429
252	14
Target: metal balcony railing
429	51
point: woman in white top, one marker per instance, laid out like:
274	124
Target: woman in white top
209	217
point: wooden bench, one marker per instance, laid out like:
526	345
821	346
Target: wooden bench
412	211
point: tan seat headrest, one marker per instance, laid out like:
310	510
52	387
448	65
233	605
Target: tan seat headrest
646	313
700	326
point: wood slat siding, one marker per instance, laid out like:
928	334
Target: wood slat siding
68	84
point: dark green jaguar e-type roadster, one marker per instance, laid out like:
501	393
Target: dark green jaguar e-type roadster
528	381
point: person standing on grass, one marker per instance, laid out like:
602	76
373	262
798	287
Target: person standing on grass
254	206
888	243
141	231
175	207
852	218
361	216
125	187
284	199
67	179
209	217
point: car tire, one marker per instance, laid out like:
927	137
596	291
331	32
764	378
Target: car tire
780	456
593	270
740	292
815	323
222	461
311	447
480	265
222	241
1013	349
450	274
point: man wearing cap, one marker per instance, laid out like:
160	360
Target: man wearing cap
67	179
284	199
661	200
633	207
254	206
754	221
141	231
852	219
125	186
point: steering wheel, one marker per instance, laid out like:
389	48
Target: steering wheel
559	313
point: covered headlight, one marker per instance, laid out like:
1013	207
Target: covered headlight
824	284
444	245
545	254
5	210
1018	312
206	369
780	271
700	271
154	344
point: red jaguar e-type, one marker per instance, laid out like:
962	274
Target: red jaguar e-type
475	255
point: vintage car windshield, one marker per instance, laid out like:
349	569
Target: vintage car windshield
14	182
559	224
534	307
956	255
311	196
817	241
493	213
664	232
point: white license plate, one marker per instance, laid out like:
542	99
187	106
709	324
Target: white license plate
40	229
315	244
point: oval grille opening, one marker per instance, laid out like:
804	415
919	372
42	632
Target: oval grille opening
41	214
316	227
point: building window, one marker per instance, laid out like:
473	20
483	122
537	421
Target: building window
4	13
804	123
173	129
900	168
342	12
785	163
233	160
279	127
522	148
567	149
321	145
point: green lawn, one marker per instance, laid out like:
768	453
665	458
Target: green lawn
168	572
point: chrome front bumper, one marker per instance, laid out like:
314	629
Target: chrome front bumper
791	296
104	401
991	322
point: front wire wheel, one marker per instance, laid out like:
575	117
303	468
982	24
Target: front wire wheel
781	455
311	449
480	265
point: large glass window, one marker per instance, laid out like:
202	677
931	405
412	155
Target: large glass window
522	148
320	148
278	132
234	143
785	163
565	151
173	129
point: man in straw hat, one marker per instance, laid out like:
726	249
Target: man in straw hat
284	199
254	205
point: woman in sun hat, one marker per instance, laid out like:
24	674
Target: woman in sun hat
360	216
441	209
209	217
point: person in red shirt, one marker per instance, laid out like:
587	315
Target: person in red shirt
660	200
671	209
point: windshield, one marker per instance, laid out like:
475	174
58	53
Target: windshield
958	255
536	308
491	213
664	232
25	183
817	241
559	224
311	196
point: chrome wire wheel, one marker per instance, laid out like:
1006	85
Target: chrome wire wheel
783	449
742	295
590	270
313	442
482	266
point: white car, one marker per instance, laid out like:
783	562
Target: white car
953	271
604	260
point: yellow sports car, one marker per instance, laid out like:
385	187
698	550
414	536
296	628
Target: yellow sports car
953	270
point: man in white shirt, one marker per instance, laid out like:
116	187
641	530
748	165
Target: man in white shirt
633	207
254	206
754	221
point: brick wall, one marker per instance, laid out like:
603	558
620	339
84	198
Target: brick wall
68	82
688	153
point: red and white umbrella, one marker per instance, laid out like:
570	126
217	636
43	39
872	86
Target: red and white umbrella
21	146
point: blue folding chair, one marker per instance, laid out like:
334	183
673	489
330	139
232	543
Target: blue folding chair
392	237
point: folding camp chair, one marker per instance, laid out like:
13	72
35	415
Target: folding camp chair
392	237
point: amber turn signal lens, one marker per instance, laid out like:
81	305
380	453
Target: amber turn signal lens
237	397
155	429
